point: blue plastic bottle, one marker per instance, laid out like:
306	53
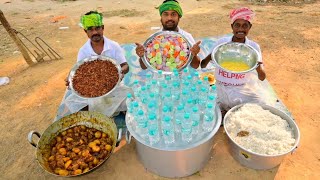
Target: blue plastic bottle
168	130
129	101
142	124
208	118
136	88
195	117
186	128
153	129
179	115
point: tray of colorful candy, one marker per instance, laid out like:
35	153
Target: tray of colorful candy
167	50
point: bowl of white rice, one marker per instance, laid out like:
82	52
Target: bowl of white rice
260	135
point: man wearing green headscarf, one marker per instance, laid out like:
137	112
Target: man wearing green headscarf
171	12
98	44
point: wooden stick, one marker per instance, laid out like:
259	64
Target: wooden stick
16	39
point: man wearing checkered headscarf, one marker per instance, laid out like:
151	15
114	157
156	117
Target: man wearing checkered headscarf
232	91
241	13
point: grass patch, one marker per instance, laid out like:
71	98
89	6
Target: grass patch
283	1
122	13
64	0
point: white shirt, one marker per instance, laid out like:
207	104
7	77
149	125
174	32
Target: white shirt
228	78
110	48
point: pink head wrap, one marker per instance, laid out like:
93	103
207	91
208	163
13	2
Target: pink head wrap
241	13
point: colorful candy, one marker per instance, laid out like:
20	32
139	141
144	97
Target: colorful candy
167	52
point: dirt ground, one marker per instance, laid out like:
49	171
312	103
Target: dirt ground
288	33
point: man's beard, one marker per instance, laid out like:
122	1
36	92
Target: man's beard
171	27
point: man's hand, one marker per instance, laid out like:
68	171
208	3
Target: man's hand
261	72
195	48
139	50
67	82
124	68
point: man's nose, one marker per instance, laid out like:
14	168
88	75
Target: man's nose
241	28
170	17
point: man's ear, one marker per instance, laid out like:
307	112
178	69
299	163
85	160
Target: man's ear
85	30
102	26
231	26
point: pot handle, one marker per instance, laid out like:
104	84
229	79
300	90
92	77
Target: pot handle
31	133
128	137
119	137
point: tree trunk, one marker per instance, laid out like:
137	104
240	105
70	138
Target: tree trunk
16	39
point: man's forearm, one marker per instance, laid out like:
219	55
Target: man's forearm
205	61
261	72
142	65
195	62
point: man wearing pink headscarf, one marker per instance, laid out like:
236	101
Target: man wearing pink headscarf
233	91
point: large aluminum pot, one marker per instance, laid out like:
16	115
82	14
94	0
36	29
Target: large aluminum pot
233	51
254	160
92	58
174	162
90	119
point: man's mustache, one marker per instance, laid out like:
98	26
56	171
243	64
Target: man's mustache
170	21
96	35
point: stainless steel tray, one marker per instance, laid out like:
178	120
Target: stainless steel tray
92	58
147	63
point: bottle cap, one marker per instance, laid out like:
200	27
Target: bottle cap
180	107
135	104
152	116
140	112
211	97
166	119
210	105
164	85
186	115
150	105
153	82
195	109
165	109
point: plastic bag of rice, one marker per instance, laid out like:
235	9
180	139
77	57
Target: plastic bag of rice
260	131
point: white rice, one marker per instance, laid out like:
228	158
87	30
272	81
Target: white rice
269	134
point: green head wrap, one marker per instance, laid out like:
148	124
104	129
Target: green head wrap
93	19
170	5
